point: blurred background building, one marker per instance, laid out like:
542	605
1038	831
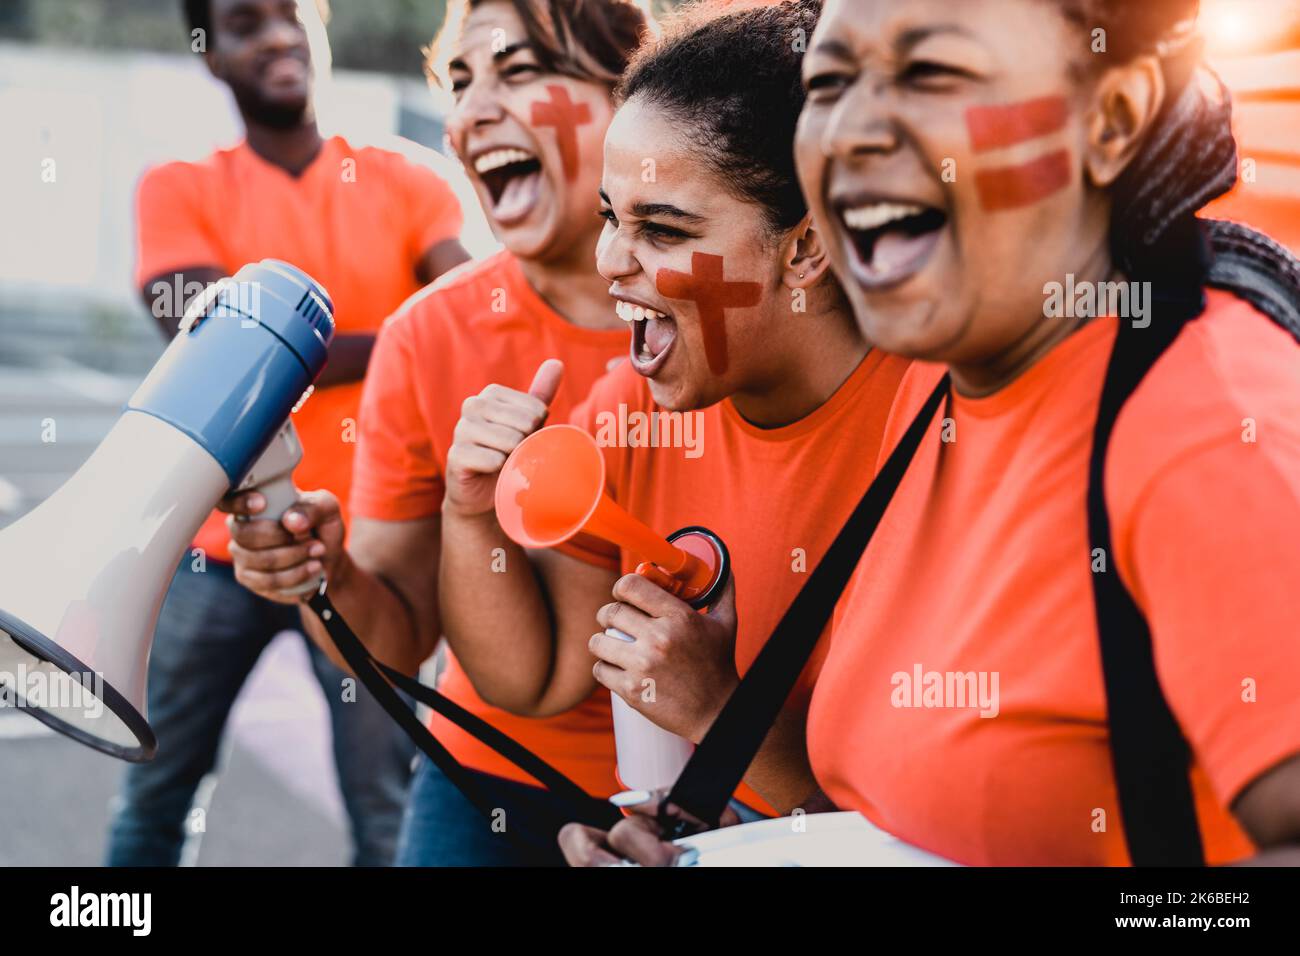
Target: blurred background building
105	88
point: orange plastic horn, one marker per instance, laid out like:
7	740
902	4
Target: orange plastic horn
553	486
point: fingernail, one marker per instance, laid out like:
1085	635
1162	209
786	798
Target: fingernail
256	502
316	550
313	566
631	798
687	857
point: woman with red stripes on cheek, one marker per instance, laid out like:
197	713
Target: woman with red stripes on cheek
1098	480
975	142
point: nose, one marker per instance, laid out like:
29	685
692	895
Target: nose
283	34
614	258
863	122
478	106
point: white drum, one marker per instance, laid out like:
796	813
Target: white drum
815	839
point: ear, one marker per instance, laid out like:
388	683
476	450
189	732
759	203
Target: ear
1125	103
803	255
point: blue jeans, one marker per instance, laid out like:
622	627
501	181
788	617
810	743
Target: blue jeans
210	634
442	828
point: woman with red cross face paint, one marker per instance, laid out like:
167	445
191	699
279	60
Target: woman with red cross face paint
1126	590
529	84
737	328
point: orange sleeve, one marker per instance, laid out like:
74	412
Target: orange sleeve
395	473
172	231
1214	544
435	213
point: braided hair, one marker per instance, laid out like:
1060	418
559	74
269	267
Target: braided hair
1188	159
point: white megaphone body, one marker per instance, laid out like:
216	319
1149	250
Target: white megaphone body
83	576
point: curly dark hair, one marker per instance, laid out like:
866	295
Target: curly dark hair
729	74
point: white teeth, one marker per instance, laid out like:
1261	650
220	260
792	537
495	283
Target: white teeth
629	312
498	158
875	215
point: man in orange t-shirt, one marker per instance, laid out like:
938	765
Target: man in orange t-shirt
530	102
372	228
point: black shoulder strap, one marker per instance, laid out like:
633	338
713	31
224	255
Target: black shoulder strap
375	676
1150	756
713	772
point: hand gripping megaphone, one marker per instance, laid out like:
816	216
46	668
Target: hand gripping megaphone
551	488
83	576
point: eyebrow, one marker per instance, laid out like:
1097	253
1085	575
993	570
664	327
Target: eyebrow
511	50
910	38
244	8
906	40
645	210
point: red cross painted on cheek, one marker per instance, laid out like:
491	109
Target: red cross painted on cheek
565	116
713	295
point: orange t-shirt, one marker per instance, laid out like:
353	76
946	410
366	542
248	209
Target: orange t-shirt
777	497
479	325
356	220
981	567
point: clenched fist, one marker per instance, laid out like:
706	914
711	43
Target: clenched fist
272	557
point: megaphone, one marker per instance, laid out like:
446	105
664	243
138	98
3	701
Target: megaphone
83	576
551	488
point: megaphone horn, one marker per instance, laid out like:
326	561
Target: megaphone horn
552	487
83	576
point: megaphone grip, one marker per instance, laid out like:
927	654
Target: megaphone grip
281	494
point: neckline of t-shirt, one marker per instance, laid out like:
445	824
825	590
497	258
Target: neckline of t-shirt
1036	378
818	417
536	305
328	144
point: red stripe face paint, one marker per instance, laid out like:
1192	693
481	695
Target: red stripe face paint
997	127
1010	187
713	295
1003	187
565	116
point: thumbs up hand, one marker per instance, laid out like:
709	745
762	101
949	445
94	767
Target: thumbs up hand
492	423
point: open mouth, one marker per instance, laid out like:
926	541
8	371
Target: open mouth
653	335
893	241
284	69
513	179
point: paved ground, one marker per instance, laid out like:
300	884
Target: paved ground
275	800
